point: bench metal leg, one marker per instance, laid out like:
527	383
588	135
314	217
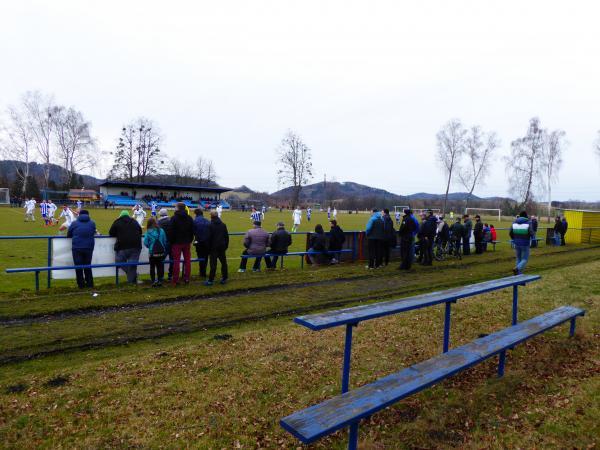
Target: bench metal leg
353	437
447	327
501	363
347	354
572	329
515	304
117	276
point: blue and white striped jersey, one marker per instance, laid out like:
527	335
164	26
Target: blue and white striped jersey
255	216
44	208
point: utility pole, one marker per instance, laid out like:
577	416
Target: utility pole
324	190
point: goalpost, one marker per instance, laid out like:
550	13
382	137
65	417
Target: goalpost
497	210
436	211
400	208
4	196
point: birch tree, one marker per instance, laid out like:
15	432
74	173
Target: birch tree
75	145
523	165
17	145
295	165
450	148
39	110
479	151
551	162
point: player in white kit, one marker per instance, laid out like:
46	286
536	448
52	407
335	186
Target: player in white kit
30	210
69	218
51	211
219	210
139	214
297	216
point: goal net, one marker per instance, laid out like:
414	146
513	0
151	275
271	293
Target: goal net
400	208
4	196
485	212
436	211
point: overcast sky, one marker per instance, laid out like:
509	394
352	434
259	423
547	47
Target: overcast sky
366	84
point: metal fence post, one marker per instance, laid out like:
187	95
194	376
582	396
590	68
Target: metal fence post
49	253
347	355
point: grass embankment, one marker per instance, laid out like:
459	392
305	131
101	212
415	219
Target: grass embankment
227	387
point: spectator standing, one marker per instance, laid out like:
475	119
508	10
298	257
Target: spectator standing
155	241
389	236
202	239
457	231
521	233
558	233
466	240
487	236
82	233
408	230
308	213
256	241
279	244
219	242
318	244
565	227
493	233
336	241
375	239
478	234
164	221
534	228
181	235
129	243
428	231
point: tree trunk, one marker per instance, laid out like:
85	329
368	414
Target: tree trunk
296	196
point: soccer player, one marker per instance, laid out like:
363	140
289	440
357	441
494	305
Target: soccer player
139	214
297	216
29	210
329	213
153	208
69	218
51	211
219	210
79	205
397	214
263	211
334	213
308	213
255	216
44	211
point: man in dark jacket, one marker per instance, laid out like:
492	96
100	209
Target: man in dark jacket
181	235
129	243
457	231
219	242
466	238
521	233
389	236
534	228
565	227
336	241
408	230
280	241
82	233
202	236
427	236
375	237
478	234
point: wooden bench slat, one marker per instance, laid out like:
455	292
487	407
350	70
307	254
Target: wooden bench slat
366	312
339	412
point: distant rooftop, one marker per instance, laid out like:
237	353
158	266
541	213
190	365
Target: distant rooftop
166	187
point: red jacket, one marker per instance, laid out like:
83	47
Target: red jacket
494	235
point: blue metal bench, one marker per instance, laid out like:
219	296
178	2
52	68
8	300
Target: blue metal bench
116	265
347	409
300	254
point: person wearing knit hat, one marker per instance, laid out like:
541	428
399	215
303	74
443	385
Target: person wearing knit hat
163	212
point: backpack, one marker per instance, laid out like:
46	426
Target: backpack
158	250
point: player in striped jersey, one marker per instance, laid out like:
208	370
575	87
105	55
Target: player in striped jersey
51	211
256	216
44	211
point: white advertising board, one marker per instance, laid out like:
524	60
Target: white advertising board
103	254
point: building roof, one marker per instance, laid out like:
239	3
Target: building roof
166	187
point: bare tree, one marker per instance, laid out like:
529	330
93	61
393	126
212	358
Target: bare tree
295	165
76	147
16	144
479	151
182	171
551	161
523	165
138	154
40	109
205	171
450	147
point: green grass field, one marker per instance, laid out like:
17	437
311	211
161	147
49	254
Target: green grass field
217	368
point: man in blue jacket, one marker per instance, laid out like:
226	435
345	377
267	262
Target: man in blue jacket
375	239
82	233
521	233
202	239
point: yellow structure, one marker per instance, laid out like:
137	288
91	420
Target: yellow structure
584	226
